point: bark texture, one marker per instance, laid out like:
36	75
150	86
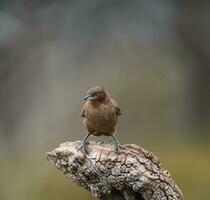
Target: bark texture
131	174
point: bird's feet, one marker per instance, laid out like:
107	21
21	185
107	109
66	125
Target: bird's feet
83	147
117	145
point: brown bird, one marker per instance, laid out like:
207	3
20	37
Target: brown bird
100	114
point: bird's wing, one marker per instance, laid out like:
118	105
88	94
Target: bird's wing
118	111
82	114
117	108
84	109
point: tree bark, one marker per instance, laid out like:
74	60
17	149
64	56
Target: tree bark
130	174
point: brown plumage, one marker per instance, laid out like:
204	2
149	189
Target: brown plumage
100	114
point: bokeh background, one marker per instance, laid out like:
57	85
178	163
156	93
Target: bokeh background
153	57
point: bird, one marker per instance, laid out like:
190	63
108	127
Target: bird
100	115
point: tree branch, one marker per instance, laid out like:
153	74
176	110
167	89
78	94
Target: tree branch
131	174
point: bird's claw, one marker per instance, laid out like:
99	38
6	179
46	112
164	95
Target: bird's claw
83	148
117	145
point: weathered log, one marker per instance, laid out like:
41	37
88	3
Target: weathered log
130	174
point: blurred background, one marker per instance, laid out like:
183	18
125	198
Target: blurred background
152	56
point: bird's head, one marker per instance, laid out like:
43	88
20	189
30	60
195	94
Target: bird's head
96	94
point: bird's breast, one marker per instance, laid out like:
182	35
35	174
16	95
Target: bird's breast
101	119
101	115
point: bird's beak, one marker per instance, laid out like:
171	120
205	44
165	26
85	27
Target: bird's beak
89	97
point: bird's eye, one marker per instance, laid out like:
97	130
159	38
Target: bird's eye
99	93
